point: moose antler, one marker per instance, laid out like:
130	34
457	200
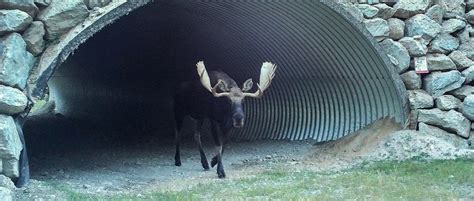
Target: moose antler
267	72
206	82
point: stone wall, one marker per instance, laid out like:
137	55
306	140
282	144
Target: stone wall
431	45
430	42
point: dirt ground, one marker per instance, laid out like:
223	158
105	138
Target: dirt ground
149	167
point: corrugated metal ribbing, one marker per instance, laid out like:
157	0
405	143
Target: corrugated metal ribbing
331	79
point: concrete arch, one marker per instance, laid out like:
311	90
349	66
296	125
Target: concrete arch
333	78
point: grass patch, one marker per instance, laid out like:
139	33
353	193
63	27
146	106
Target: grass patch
409	180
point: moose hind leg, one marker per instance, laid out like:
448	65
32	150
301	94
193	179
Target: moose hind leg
197	138
178	138
216	133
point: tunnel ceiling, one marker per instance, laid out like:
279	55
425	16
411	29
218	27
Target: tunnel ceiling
331	79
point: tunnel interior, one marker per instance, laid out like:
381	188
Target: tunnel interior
118	86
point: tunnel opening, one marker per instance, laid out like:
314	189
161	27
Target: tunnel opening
116	90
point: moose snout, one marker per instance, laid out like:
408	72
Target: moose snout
238	120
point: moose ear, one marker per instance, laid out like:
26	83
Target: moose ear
248	84
223	85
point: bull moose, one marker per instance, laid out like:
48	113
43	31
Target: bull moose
220	101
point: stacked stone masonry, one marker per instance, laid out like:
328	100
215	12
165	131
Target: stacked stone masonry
27	27
431	43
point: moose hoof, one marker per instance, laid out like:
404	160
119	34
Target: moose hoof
205	165
221	175
177	163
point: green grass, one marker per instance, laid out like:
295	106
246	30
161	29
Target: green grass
410	180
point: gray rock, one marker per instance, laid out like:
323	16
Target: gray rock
27	6
453	25
461	60
422	25
396	50
12	101
354	11
378	27
464	34
450	121
11	167
468	107
444	43
10	144
467	49
6	182
91	4
6	194
411	80
468	74
462	92
414	46
13	20
396	28
385	12
447	102
470	16
438	83
15	61
33	37
454	8
453	139
408	8
440	62
61	16
436	13
367	10
469	5
42	3
420	99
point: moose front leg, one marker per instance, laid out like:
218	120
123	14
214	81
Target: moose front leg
218	134
197	138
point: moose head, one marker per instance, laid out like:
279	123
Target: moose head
228	88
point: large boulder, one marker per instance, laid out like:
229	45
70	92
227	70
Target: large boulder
13	20
61	16
440	62
396	50
464	34
444	43
420	99
10	146
468	107
453	25
438	83
447	102
422	25
367	10
460	59
414	46
385	11
12	101
468	73
33	37
470	16
378	27
450	121
467	49
463	92
408	8
454	8
455	140
354	11
15	61
436	13
411	80
27	6
396	28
